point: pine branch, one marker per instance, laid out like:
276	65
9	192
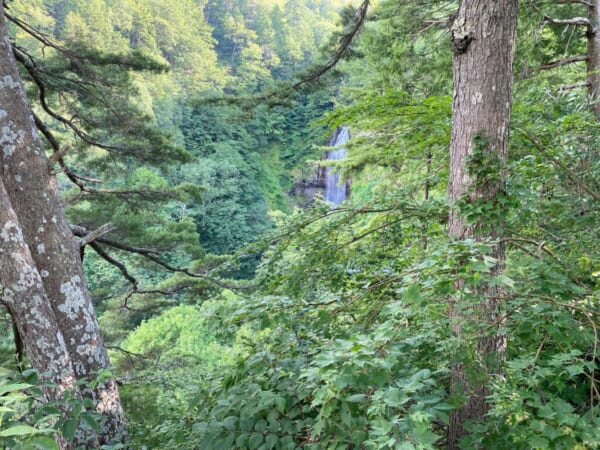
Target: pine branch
345	41
33	72
150	254
78	180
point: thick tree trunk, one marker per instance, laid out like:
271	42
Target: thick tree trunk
24	295
34	197
483	42
593	56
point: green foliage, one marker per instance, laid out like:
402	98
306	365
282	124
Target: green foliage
28	421
14	431
546	396
265	39
353	301
244	159
345	342
168	357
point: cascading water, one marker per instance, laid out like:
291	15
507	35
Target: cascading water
334	192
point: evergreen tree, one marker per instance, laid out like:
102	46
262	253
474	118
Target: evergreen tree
43	284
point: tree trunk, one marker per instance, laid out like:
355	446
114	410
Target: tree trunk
483	43
34	197
24	295
593	56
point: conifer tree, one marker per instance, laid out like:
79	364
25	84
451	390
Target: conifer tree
44	285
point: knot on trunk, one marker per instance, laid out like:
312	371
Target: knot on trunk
462	35
460	44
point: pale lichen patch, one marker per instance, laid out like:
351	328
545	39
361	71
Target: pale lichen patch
27	279
74	302
8	296
8	136
8	82
8	150
11	232
476	98
21	138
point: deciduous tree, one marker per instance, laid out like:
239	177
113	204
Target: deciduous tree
483	44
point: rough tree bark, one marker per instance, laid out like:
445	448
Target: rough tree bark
483	43
24	295
33	197
593	56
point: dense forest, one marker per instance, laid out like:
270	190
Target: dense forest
172	275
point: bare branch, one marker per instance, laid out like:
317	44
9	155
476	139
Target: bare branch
118	264
82	232
132	280
150	254
361	14
578	21
541	246
44	39
444	21
96	234
567	87
126	352
583	2
204	276
57	156
575	178
564	61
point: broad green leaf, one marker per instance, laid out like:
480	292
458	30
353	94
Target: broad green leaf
90	420
357	398
230	423
14	387
41	443
345	414
18	430
69	428
255	441
271	442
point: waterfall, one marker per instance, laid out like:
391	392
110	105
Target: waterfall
334	192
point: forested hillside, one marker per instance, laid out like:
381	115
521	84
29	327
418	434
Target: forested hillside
166	287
